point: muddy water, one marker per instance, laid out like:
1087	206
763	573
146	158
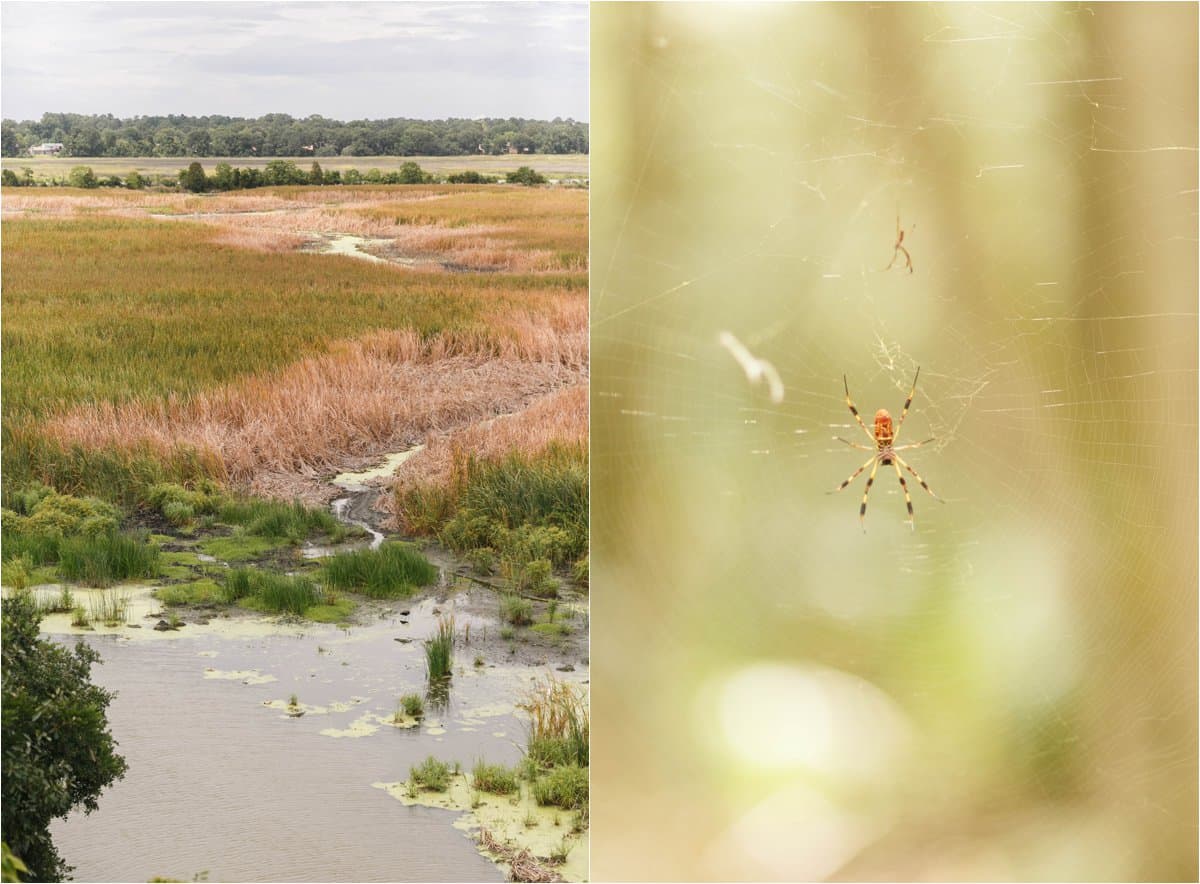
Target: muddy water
222	780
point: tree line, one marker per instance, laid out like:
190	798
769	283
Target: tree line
276	173
281	135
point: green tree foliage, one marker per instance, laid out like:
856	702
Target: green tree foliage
11	868
279	135
58	753
9	178
410	173
82	176
315	175
194	179
526	176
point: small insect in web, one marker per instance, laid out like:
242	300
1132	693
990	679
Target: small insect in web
885	451
898	248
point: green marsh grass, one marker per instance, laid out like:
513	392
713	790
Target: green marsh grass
439	651
494	778
412	705
515	610
393	570
559	726
431	775
106	558
565	786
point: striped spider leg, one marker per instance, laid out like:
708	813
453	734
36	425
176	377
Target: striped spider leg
884	451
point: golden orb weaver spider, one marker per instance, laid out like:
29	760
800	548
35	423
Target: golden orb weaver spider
884	451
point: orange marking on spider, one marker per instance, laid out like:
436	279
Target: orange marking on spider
898	248
884	450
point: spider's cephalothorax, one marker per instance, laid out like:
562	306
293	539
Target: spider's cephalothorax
884	450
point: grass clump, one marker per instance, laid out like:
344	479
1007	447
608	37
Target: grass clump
110	608
580	571
104	559
431	775
559	727
393	570
515	610
551	629
494	778
565	786
439	650
413	705
281	594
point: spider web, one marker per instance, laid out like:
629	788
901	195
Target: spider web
1035	633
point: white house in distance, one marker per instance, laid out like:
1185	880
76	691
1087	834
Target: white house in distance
48	149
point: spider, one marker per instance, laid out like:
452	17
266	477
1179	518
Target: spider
899	247
885	451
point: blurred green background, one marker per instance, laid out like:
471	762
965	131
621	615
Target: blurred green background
1009	690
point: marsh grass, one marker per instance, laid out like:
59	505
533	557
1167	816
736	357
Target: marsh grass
439	651
103	559
171	395
110	607
271	592
276	520
565	786
412	705
494	778
515	610
393	570
559	727
431	775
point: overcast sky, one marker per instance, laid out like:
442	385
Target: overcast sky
343	60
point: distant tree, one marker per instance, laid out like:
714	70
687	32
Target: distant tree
333	176
283	172
58	753
9	178
82	176
193	178
315	176
352	176
469	177
199	143
223	177
134	181
410	173
526	176
373	176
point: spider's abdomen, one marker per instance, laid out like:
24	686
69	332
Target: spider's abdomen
884	432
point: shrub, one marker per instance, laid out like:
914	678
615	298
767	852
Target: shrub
525	175
431	774
533	578
580	571
470	177
494	778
